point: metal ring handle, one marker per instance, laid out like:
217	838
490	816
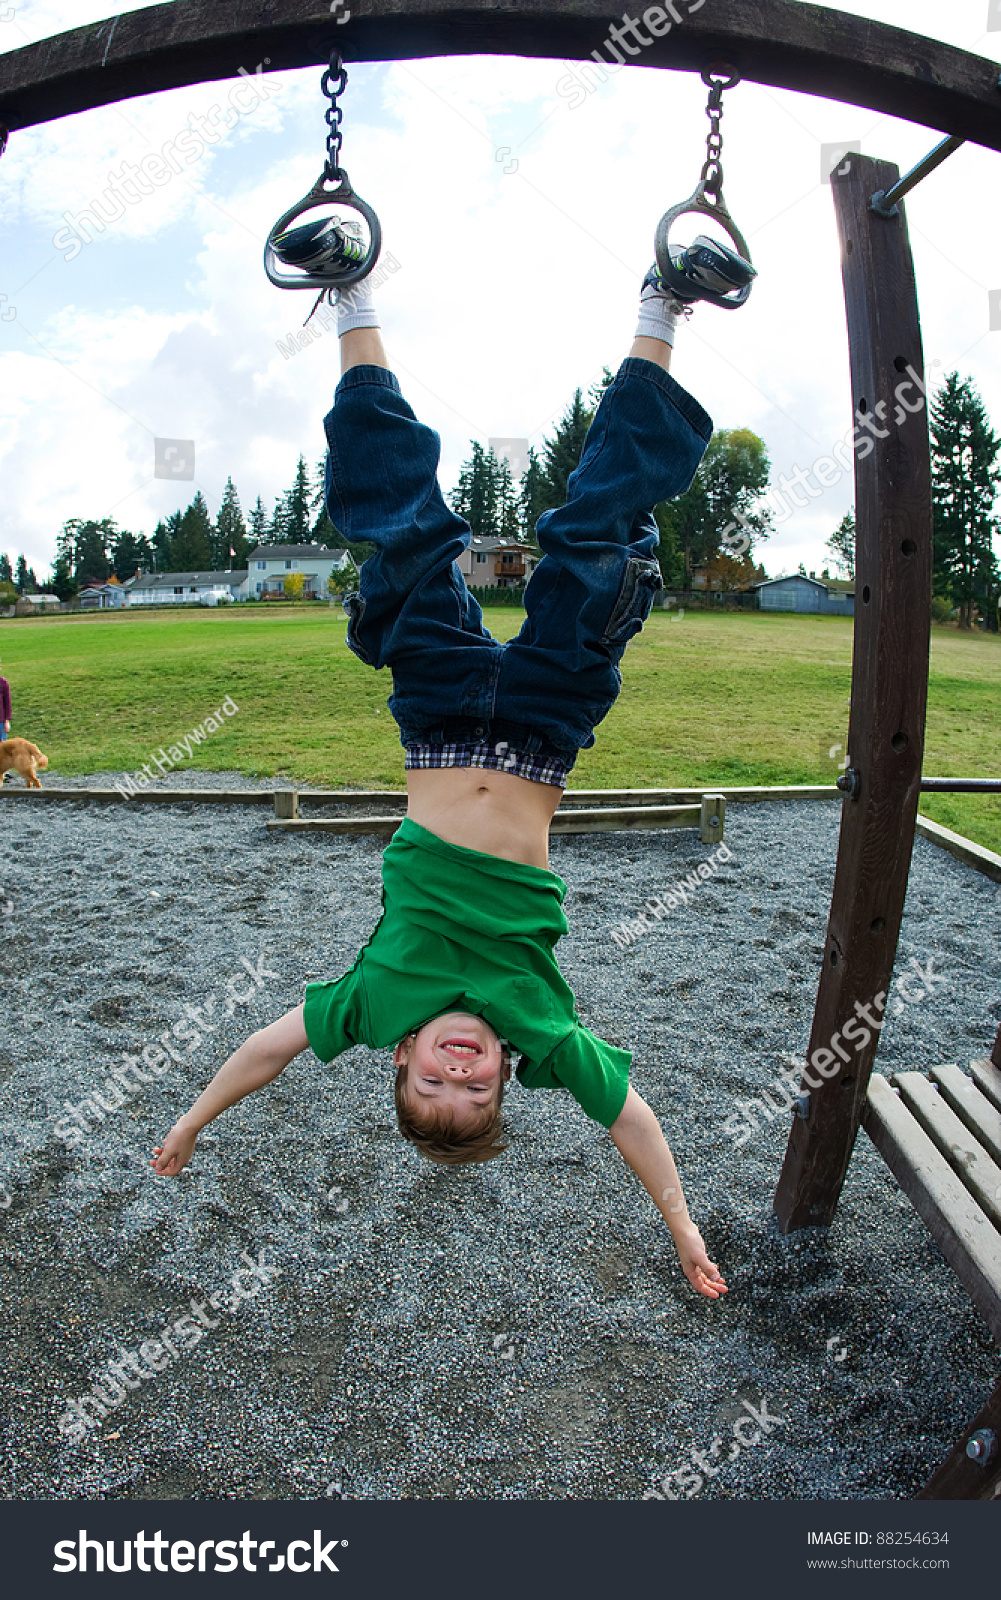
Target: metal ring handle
676	280
335	277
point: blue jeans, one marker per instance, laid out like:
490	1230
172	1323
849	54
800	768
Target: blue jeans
547	689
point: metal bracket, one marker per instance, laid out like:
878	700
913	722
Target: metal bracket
850	783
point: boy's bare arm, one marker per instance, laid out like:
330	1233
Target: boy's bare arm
638	1137
258	1061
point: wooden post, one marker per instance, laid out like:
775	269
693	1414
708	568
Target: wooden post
286	804
712	818
996	1052
889	691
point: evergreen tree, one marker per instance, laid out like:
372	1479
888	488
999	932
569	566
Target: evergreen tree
291	523
163	539
129	551
25	581
259	523
84	548
475	496
533	498
62	582
561	454
966	476
230	532
6	572
191	546
508	513
841	544
277	525
323	530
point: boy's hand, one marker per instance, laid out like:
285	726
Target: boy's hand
702	1274
175	1152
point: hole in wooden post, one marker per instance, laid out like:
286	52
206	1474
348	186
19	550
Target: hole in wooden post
863	405
849	247
834	958
877	925
909	547
901	363
899	742
846	1083
865	594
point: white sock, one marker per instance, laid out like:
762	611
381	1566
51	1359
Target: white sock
356	308
659	316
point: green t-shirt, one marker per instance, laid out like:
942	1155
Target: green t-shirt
464	931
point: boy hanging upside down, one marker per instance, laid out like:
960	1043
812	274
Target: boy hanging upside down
460	972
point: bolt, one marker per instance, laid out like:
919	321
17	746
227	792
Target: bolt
850	782
982	1446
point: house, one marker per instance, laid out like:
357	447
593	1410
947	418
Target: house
43	600
497	563
110	596
181	588
828	596
271	564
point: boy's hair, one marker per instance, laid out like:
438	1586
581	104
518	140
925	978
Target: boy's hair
434	1132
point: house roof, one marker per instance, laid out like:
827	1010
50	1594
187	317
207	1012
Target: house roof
829	585
493	543
170	580
281	552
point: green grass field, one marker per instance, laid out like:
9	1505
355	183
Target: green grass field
728	699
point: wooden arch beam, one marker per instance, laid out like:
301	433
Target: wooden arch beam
809	48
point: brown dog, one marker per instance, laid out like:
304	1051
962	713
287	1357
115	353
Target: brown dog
18	755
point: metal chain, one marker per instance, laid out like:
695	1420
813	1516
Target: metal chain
719	79
333	84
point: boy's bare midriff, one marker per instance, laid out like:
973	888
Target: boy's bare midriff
494	812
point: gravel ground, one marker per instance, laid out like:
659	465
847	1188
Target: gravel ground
518	1330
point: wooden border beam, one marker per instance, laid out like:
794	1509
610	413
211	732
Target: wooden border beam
809	48
889	693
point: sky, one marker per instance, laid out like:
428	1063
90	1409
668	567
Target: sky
520	214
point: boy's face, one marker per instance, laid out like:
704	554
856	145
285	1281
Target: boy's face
455	1063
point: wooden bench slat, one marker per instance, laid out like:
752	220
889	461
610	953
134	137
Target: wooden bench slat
982	1119
965	1236
987	1078
968	1159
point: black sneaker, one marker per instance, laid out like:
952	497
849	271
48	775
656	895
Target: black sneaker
318	246
707	264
